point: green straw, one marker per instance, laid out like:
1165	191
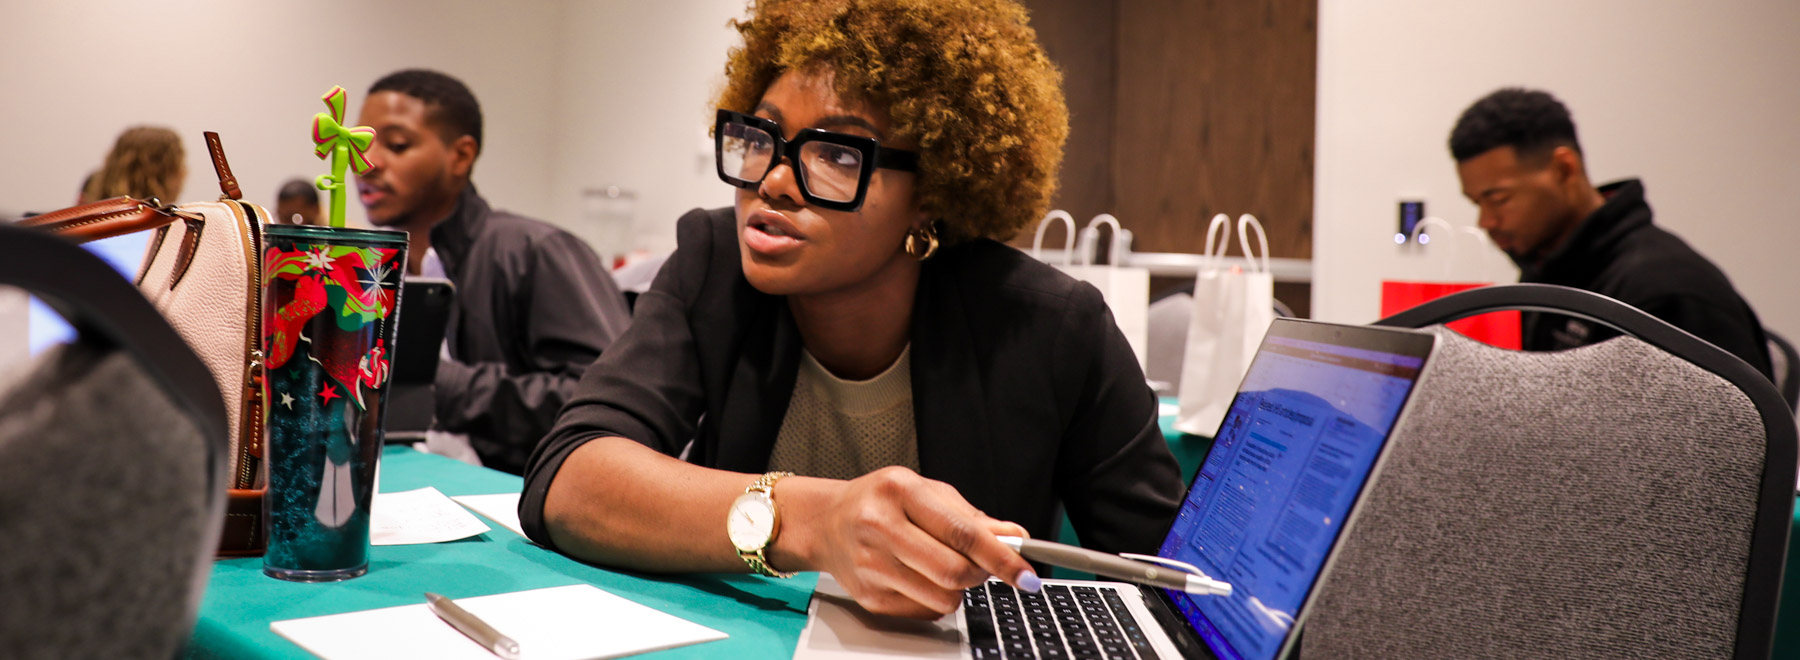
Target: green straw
345	146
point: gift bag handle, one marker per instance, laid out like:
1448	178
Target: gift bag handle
1090	241
1037	243
1214	256
1449	263
1245	223
1429	220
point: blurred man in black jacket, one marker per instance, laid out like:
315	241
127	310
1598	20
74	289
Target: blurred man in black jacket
1520	162
534	304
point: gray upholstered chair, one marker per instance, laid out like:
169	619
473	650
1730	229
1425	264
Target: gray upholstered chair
1165	341
112	465
1626	499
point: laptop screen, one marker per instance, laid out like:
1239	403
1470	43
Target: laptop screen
1293	453
124	253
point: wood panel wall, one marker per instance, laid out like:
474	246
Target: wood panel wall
1081	37
1180	109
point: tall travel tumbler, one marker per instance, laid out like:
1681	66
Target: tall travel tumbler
331	300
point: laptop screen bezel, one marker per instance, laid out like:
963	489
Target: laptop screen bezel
1407	343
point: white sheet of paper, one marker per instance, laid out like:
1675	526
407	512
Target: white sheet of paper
419	516
502	508
574	622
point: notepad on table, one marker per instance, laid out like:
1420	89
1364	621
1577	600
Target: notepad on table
571	623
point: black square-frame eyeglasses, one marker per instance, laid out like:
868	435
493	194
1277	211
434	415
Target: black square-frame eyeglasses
833	169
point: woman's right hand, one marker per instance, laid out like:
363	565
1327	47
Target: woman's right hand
901	544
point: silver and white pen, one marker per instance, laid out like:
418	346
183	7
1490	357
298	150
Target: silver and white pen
1114	566
472	626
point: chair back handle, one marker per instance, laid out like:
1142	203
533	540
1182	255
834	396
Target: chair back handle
106	309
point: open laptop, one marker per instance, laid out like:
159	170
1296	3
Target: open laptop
425	304
1304	435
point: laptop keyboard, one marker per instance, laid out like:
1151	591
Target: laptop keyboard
1061	621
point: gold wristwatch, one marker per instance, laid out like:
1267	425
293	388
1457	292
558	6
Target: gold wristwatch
754	523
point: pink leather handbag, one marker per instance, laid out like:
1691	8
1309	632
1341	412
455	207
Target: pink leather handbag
203	271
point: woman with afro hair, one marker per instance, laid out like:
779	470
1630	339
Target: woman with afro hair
846	372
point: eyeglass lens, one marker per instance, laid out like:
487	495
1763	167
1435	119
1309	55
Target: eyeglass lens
831	170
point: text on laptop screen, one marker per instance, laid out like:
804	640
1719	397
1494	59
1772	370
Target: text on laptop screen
1265	508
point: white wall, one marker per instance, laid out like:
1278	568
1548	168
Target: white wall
1697	98
78	72
576	93
634	104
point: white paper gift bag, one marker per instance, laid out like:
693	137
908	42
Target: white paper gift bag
1233	307
1126	290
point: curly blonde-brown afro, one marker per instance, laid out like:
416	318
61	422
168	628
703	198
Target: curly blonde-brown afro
963	79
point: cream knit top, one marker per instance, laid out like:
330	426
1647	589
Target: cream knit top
843	429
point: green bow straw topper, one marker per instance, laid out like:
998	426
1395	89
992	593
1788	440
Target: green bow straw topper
345	146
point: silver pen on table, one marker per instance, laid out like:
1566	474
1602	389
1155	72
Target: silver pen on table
473	626
1114	566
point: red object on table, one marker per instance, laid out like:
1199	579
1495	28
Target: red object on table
1498	329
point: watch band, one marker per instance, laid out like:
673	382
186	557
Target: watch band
759	562
765	484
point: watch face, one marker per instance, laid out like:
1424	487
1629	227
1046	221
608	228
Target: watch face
752	522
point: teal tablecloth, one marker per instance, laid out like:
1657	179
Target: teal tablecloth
762	616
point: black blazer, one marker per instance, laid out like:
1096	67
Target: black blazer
1025	393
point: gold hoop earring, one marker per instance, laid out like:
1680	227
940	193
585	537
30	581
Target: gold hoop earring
922	242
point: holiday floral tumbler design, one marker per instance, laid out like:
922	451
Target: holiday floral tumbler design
330	304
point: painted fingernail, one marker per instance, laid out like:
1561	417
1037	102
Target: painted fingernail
1029	582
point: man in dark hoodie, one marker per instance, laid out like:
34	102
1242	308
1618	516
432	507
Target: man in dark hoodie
534	305
1520	162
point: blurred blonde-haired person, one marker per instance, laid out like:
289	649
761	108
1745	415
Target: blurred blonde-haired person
145	162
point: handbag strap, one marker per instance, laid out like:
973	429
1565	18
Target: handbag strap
107	218
228	184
